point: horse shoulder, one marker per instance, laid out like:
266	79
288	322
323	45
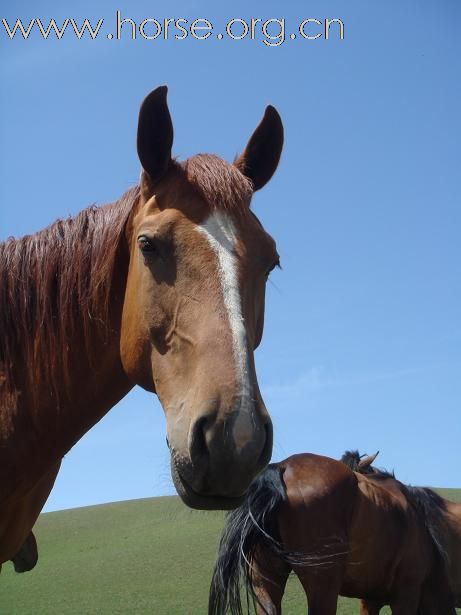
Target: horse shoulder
376	535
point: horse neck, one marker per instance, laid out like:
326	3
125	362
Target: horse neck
93	380
45	426
67	374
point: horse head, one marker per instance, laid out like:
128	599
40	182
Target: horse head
194	303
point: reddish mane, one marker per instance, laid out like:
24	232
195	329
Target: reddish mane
49	278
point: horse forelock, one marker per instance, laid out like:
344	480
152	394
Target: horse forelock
351	459
222	185
52	280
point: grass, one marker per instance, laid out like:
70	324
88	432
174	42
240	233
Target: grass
144	556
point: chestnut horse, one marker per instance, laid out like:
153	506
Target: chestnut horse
163	288
341	532
445	525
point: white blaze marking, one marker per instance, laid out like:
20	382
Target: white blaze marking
219	231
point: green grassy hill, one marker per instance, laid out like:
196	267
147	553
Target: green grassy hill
145	556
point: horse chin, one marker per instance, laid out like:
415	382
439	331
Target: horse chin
192	499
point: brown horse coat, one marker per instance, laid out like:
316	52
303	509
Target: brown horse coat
342	533
163	288
444	525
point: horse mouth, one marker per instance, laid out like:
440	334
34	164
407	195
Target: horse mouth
192	499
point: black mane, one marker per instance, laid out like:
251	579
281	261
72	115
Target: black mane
352	459
429	507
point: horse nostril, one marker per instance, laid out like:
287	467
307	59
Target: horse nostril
198	445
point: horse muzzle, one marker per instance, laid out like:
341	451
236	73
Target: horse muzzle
221	458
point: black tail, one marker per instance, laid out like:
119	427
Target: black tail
252	525
248	526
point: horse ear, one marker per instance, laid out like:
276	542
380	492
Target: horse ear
262	153
155	134
366	462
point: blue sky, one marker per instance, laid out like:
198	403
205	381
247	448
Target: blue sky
363	324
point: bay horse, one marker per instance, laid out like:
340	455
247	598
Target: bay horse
341	532
163	288
445	524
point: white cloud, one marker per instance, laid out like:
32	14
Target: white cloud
316	378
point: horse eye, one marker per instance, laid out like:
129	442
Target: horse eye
146	245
